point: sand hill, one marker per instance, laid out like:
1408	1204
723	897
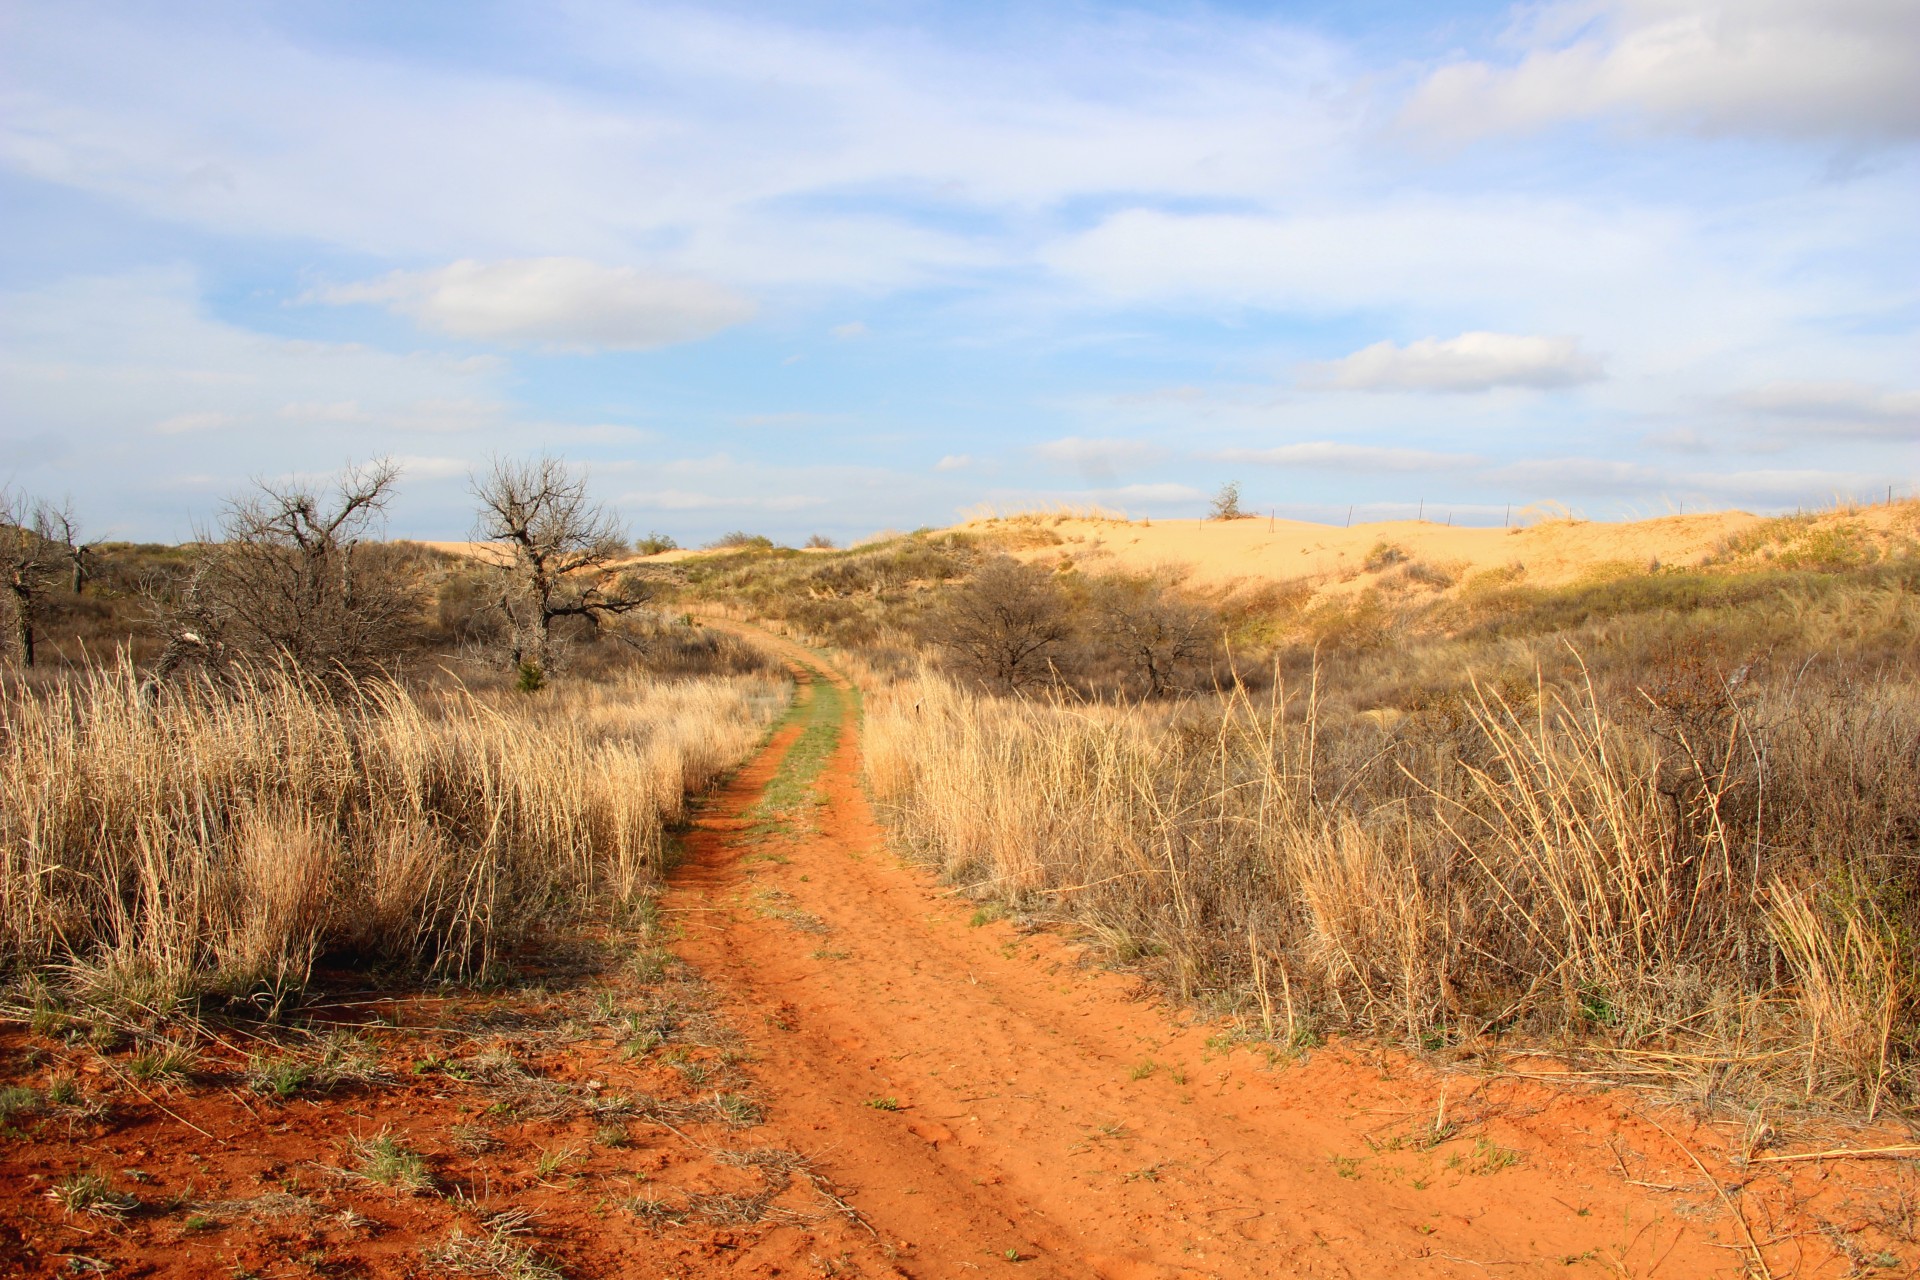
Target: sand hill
1219	554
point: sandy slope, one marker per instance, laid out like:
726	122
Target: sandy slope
1047	1113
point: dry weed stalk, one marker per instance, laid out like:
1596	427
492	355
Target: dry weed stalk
219	839
1536	864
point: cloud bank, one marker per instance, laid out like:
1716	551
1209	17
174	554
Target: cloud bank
1805	68
1476	361
570	304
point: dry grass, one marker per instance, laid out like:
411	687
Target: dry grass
218	840
1700	872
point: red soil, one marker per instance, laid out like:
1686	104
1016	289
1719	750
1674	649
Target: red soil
1047	1110
981	1096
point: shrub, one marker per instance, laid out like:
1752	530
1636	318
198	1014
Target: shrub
740	540
653	544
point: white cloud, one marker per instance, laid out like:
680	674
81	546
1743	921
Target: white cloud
1476	361
852	329
565	303
693	500
1845	68
1483	253
1552	477
202	421
954	462
1152	493
1080	451
1836	408
1334	456
323	411
790	418
105	357
417	466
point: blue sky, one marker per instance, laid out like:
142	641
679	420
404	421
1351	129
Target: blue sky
832	268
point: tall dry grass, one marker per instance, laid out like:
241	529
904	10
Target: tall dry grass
222	839
1729	882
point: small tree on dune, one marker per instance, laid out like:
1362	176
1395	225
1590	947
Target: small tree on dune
554	549
1226	503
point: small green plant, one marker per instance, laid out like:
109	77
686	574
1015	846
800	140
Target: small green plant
1485	1158
613	1136
280	1076
433	1064
1346	1166
163	1063
18	1100
64	1091
1142	1069
199	1222
550	1161
498	1253
473	1138
1596	1008
887	1103
986	914
650	964
384	1159
88	1191
737	1109
529	678
651	1210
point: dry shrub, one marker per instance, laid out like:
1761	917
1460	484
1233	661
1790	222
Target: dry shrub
1554	861
219	839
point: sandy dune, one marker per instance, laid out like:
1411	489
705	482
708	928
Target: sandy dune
1214	553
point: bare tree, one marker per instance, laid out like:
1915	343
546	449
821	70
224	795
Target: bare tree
1005	623
1153	631
79	554
294	574
555	548
33	554
1226	503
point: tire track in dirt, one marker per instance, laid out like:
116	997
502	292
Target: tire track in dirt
986	1099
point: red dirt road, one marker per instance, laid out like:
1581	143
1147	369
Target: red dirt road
855	1079
988	1101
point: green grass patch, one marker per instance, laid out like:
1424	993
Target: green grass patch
791	793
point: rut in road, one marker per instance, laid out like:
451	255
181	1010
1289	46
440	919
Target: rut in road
988	1100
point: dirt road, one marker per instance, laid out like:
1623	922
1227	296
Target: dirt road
987	1100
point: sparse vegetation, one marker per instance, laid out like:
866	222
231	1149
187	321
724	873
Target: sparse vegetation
212	841
390	1162
1659	812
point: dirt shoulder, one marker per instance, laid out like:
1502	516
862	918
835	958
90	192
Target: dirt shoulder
986	1098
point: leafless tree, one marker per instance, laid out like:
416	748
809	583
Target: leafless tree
33	554
1153	631
294	574
554	547
1226	503
79	554
1005	624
